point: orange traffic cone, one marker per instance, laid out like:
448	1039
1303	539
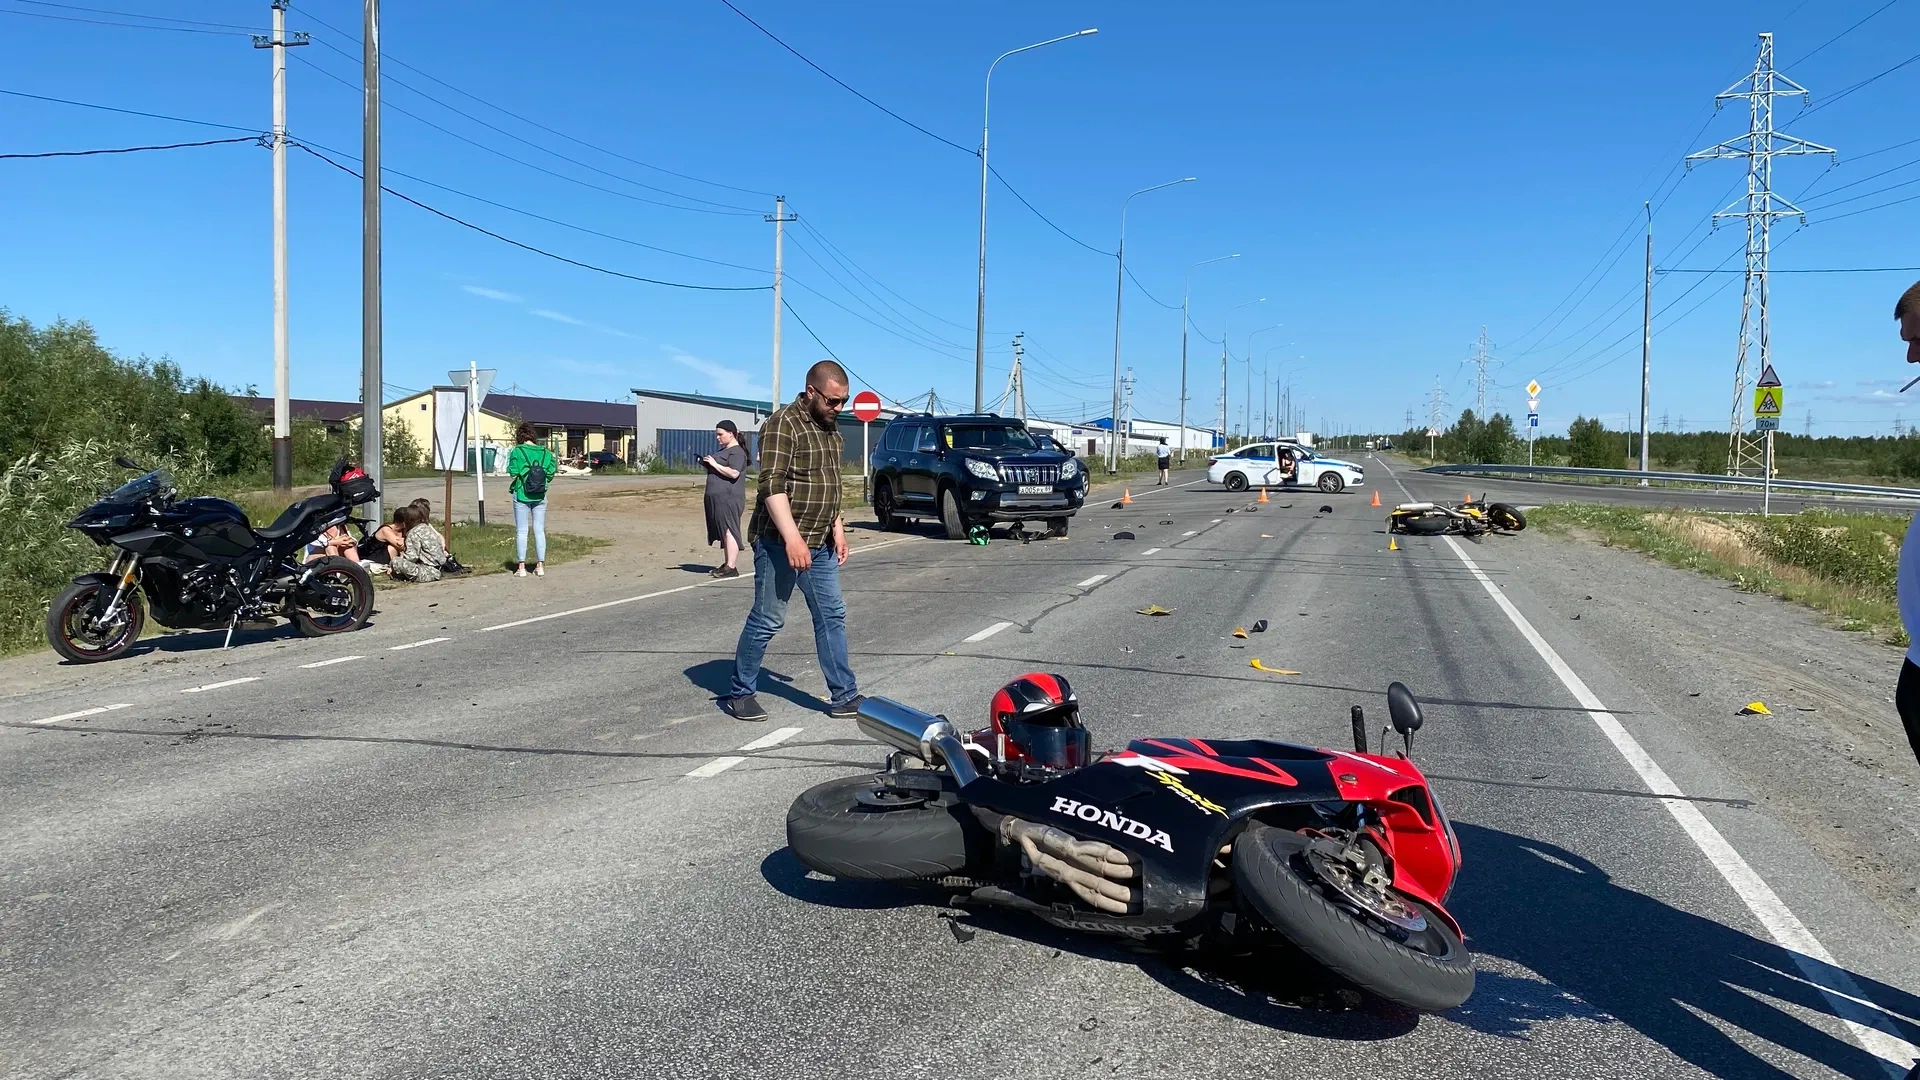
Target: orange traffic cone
1126	498
1263	494
1376	496
1469	499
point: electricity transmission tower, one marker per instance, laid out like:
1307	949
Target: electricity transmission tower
1409	426
1759	146
1480	360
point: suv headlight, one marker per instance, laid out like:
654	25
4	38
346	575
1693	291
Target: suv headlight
1070	469
982	469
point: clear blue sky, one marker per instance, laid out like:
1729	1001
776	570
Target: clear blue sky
1394	176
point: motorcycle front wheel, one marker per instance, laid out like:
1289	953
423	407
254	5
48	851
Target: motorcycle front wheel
75	634
338	598
1426	968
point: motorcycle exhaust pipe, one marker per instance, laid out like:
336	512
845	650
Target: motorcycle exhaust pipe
926	736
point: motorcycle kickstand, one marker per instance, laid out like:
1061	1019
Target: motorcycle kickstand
231	624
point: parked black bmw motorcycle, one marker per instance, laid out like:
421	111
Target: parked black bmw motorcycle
201	566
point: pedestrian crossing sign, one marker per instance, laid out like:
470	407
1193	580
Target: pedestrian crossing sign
1768	400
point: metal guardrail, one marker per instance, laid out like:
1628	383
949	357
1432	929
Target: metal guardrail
1689	479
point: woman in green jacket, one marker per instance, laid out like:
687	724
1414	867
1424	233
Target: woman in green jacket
532	467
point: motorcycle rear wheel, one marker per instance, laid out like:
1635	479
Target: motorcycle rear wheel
855	827
1506	516
348	587
70	636
1428	970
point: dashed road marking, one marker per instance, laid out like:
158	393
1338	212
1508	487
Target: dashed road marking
1215	521
330	663
95	711
1151	551
714	767
772	738
985	634
1094	580
218	685
745	572
1191	532
417	644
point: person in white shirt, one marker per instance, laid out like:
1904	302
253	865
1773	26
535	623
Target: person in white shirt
1165	457
1906	697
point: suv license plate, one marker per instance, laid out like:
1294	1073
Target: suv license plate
1036	489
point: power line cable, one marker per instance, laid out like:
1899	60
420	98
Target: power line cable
127	25
847	260
1148	295
525	246
125	112
738	212
423	73
899	328
138	15
1842	33
1863	83
258	140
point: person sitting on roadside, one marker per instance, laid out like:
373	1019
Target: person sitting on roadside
423	552
388	541
334	541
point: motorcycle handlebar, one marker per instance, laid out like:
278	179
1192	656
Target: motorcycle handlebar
926	736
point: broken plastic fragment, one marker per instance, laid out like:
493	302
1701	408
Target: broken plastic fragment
1258	666
1260	627
1239	631
1155	609
1755	708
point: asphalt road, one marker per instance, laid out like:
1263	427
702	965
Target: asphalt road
1424	485
480	853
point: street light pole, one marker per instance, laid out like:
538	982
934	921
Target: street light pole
1263	382
980	304
1119	292
1226	335
1186	301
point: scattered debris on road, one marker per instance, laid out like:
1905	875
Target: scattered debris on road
1124	536
1260	627
1155	609
1755	708
1258	666
1240	631
1325	509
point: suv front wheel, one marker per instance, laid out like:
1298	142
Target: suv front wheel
950	515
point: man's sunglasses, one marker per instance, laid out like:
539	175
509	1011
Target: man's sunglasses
836	402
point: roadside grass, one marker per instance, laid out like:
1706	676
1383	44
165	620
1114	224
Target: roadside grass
1841	564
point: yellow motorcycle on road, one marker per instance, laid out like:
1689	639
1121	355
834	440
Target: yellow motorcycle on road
1462	519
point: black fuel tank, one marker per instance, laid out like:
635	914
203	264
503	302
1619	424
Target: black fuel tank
215	527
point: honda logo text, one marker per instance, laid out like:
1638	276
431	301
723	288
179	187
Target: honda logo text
1107	819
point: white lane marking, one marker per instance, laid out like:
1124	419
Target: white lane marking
1151	551
330	663
1190	532
1215	521
1094	580
714	767
1157	488
417	644
218	685
95	711
745	572
772	738
985	634
1865	1022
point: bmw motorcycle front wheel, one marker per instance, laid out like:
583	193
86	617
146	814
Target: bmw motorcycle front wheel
82	632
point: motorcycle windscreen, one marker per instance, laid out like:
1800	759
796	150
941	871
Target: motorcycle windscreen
1051	746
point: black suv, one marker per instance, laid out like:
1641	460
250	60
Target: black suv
970	470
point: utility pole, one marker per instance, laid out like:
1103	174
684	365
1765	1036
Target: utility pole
371	380
1481	360
780	218
1019	379
1646	345
282	380
1224	441
1759	146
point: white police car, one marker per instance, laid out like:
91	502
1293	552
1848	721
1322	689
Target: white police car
1258	463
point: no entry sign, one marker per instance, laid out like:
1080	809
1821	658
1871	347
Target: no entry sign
866	406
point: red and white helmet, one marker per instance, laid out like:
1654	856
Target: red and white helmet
1036	718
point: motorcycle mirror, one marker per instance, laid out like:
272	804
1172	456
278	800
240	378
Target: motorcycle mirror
129	463
1403	709
1359	731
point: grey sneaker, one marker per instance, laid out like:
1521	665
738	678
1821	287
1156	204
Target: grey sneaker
745	707
848	709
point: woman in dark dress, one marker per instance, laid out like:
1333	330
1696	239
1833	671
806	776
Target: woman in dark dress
726	496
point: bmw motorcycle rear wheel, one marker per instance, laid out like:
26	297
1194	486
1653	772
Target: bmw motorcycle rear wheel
336	599
1385	942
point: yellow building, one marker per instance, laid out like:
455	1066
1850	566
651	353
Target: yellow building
571	429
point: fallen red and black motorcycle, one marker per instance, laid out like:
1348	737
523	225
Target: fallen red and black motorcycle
1190	843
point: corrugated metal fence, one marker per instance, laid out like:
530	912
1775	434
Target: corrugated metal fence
684	447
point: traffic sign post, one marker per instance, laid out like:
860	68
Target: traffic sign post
1769	402
479	380
866	408
1533	415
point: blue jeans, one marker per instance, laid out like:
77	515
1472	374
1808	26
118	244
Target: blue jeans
534	514
773	582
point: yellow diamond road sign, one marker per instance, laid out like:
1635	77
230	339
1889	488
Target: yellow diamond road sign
1768	401
1533	388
